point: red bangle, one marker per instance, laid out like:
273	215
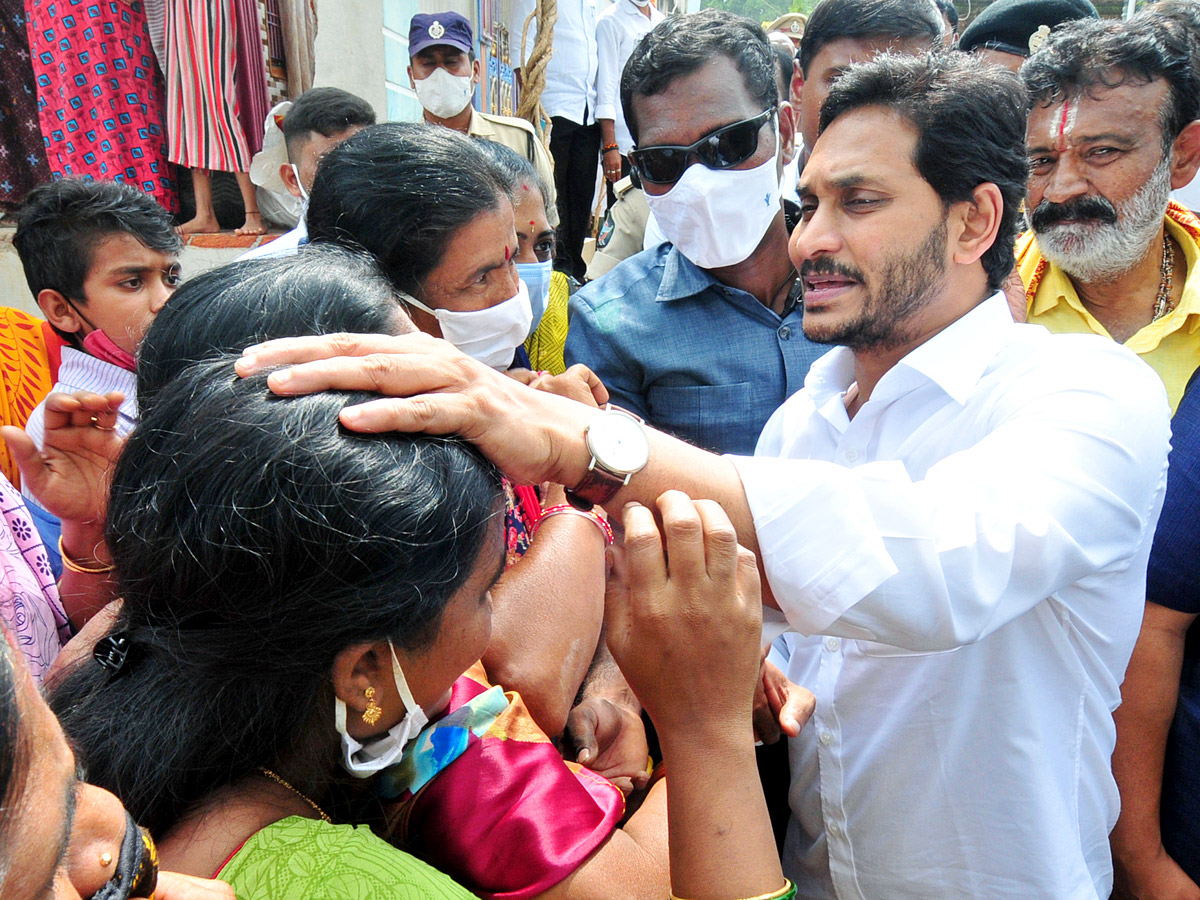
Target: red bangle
591	515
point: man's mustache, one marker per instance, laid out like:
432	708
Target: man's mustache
1081	208
826	266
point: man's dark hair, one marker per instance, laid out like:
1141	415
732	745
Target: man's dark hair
61	222
970	124
325	111
948	10
1094	54
400	191
861	20
681	45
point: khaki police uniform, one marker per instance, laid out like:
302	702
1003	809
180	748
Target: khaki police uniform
518	135
623	229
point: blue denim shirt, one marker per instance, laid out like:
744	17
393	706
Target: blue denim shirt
692	356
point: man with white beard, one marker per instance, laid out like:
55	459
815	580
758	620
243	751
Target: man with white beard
1111	131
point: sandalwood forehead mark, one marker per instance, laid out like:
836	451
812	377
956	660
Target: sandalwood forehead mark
1062	123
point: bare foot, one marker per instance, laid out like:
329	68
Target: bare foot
199	225
254	224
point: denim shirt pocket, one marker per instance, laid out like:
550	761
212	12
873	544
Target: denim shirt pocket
713	416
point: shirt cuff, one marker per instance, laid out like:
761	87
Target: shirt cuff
606	111
817	540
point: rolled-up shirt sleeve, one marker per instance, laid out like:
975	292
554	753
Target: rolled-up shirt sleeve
1063	483
608	71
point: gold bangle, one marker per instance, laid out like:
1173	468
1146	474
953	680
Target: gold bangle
786	892
73	566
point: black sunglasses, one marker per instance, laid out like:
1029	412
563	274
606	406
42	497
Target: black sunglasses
721	149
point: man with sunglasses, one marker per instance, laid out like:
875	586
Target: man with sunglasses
702	336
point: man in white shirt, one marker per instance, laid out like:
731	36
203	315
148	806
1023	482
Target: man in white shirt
569	99
618	29
954	514
319	120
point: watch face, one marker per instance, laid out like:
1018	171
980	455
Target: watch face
619	443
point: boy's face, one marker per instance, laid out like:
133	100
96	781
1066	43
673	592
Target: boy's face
126	286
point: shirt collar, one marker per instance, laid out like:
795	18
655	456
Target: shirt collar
479	125
954	359
681	277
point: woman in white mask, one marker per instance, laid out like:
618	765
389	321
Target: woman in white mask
428	204
303	612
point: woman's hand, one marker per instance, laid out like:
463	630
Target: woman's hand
684	617
70	474
177	886
578	383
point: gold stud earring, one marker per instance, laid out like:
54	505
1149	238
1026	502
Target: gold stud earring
373	711
105	860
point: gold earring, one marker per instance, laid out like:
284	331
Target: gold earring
105	860
373	711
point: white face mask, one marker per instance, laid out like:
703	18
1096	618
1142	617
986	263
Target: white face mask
443	94
299	183
536	277
717	217
489	335
364	760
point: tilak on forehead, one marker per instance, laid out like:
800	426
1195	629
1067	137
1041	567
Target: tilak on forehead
1062	123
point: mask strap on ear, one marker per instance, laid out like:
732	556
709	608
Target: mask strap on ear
339	715
299	183
406	697
409	298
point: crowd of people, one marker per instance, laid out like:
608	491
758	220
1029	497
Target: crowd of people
385	562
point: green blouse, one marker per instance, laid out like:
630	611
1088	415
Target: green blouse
307	859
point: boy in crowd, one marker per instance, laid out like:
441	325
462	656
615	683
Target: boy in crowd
316	123
101	258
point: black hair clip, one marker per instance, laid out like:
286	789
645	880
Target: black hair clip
112	651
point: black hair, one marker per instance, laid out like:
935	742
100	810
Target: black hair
681	45
255	539
785	58
15	747
326	111
948	10
513	170
320	290
400	191
61	222
894	20
1091	54
1186	12
970	124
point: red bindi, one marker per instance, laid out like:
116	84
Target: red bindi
507	254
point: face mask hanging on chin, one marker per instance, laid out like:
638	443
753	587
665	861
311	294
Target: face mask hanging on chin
101	346
717	217
364	760
490	335
442	94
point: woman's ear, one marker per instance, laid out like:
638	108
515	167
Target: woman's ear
355	669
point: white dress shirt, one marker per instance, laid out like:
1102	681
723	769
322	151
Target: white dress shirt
968	557
570	89
618	29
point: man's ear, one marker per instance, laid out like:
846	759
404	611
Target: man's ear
1185	155
59	312
975	224
787	131
475	70
797	81
288	176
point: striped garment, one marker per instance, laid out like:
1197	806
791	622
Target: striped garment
202	123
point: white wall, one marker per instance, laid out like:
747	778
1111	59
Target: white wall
349	50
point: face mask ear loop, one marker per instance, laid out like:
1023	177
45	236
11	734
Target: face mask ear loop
409	298
299	183
406	697
339	716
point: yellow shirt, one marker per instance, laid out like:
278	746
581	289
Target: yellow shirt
1170	345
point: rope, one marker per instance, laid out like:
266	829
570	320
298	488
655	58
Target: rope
533	72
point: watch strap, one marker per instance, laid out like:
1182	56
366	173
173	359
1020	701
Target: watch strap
596	488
